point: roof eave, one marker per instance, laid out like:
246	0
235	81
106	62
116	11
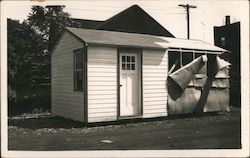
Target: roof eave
80	39
221	51
129	46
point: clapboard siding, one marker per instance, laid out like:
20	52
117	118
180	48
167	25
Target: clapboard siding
154	83
102	84
65	102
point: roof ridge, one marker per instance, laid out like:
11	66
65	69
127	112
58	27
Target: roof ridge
140	34
88	19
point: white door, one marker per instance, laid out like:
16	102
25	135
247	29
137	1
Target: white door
129	84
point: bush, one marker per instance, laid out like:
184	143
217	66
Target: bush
38	102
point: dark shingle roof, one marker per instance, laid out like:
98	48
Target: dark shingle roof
134	20
85	23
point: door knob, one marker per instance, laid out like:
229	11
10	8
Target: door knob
120	85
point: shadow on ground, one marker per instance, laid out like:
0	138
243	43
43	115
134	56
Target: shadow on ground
45	122
56	122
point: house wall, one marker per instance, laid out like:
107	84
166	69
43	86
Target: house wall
102	83
155	71
65	102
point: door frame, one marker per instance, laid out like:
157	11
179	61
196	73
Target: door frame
140	80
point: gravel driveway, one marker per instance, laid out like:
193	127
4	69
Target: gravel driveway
47	132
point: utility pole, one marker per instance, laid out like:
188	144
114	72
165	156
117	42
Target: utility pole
187	7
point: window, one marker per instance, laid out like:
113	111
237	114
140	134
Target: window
78	70
187	57
174	61
223	41
178	59
128	62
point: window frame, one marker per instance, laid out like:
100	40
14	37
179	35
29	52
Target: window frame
198	74
129	63
78	62
180	52
177	62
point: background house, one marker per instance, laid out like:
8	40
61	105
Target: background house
86	23
133	19
228	37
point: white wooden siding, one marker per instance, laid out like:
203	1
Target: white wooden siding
65	102
154	83
102	84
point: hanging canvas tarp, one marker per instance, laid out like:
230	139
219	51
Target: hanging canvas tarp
184	75
217	100
188	94
186	103
221	63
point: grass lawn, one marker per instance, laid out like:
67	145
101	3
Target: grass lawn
47	132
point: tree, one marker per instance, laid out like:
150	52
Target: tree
49	21
29	45
25	46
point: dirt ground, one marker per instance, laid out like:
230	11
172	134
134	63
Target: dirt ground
47	132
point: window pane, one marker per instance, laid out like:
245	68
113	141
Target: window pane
133	59
133	67
197	55
123	58
78	60
174	60
78	85
186	58
81	60
75	79
80	76
80	81
128	66
128	58
78	70
223	41
123	67
75	57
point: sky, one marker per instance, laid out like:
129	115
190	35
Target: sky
208	13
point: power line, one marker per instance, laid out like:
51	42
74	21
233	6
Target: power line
187	7
101	10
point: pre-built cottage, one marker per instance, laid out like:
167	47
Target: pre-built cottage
106	76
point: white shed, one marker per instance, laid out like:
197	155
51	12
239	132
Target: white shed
106	76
